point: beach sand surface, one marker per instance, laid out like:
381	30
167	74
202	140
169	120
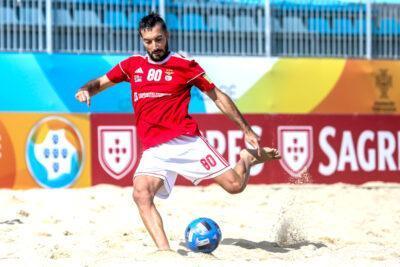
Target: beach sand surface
266	225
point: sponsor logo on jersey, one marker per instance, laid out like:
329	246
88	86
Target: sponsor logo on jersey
168	78
137	78
169	72
139	70
137	96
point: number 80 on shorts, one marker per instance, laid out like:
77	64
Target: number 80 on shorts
208	162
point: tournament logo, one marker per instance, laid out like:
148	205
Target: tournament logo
54	152
296	146
117	149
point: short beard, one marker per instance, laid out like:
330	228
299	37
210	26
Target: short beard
163	56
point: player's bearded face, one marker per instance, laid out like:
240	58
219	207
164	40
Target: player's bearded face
155	42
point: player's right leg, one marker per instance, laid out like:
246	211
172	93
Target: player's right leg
144	190
235	180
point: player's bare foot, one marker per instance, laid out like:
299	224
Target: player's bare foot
252	156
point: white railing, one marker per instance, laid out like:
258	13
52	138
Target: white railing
22	25
321	29
287	28
385	37
216	28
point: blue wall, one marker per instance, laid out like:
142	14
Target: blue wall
48	83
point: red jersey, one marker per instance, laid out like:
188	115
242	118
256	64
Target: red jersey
161	95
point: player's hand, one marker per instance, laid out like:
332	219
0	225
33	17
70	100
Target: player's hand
253	139
83	96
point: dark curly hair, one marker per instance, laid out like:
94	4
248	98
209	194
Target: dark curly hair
151	20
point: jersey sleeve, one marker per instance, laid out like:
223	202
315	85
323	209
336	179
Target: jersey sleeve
198	77
120	72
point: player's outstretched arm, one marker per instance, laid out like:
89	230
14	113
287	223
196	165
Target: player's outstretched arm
92	88
228	107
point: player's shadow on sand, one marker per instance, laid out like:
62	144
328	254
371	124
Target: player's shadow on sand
267	246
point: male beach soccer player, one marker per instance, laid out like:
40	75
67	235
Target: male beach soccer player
160	83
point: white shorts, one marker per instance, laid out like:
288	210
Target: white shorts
190	156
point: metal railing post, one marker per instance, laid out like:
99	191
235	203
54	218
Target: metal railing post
49	26
267	7
369	29
161	8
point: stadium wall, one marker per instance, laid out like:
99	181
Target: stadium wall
336	118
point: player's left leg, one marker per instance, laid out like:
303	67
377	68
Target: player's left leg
235	180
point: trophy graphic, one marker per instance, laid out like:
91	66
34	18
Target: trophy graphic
384	81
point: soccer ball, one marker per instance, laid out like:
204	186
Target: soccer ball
203	235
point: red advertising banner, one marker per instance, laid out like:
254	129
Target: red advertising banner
331	148
116	149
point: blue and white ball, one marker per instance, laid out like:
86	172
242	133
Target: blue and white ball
203	235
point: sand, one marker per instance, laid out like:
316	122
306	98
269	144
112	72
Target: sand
267	225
